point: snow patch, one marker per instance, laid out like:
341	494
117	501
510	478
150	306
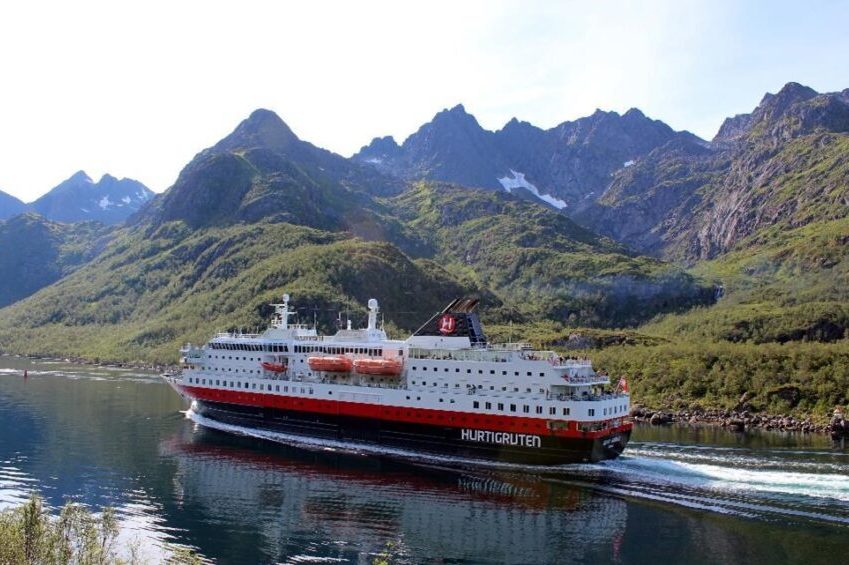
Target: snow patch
518	181
375	161
86	210
628	163
126	200
142	196
104	203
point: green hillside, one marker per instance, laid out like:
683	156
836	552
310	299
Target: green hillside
35	252
779	335
540	261
151	292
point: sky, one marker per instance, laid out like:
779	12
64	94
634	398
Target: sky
136	89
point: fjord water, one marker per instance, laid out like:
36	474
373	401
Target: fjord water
122	438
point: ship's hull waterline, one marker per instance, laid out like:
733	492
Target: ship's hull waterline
462	443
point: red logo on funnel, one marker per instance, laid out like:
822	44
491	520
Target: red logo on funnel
447	324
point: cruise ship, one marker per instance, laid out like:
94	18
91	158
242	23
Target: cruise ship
445	390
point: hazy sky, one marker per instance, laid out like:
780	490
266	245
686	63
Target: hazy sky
136	89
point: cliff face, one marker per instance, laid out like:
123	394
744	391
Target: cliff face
785	164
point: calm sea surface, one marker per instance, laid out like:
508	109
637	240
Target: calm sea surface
122	438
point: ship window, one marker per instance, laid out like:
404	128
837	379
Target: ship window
446	369
528	390
217	383
469	371
542	374
276	388
504	389
285	389
488	405
424	383
526	408
591	412
504	373
512	408
566	411
491	371
408	398
552	410
457	370
418	398
475	404
414	382
441	400
254	385
247	385
516	373
500	406
542	390
480	371
539	409
452	401
515	389
414	368
529	373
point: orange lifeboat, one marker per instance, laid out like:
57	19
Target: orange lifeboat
274	367
390	367
330	364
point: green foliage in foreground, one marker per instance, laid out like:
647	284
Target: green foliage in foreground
31	535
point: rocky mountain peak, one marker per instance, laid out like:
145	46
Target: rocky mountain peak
378	150
789	94
263	128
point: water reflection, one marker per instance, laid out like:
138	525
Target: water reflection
343	506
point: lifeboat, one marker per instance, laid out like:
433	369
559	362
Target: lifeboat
274	367
330	364
390	367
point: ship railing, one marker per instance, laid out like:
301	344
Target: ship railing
586	397
586	380
236	335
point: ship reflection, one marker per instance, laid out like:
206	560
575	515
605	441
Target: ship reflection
282	502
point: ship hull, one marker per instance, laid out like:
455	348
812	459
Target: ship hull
423	438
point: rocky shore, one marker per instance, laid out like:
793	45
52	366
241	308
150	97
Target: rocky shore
743	420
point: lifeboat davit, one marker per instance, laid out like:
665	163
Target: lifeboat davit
390	367
274	367
330	364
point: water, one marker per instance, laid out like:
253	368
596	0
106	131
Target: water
122	438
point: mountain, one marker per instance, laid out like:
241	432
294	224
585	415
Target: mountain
262	212
541	263
80	199
36	252
784	165
264	171
10	206
566	166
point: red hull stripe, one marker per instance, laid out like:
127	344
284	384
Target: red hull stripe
444	418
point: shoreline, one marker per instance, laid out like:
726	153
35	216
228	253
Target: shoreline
741	421
159	367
